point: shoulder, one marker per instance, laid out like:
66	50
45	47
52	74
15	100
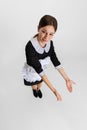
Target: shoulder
52	46
29	46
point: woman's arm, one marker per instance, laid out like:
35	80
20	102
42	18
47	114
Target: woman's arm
45	79
68	81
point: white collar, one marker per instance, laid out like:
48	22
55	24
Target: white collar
37	46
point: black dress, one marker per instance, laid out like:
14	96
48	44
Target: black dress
37	59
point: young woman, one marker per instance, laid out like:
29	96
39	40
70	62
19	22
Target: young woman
39	52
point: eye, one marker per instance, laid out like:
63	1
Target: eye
43	31
51	34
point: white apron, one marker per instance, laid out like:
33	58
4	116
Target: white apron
29	73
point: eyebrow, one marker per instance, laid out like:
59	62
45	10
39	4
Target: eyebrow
46	31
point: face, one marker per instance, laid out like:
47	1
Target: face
46	34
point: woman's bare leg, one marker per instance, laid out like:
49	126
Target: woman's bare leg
39	86
34	87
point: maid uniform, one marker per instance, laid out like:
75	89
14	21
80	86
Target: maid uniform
37	59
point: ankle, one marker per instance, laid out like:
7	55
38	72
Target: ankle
34	88
38	89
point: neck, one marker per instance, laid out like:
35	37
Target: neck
40	43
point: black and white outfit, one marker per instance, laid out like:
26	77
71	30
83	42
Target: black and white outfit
37	59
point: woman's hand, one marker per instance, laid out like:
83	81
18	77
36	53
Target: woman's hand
69	84
57	95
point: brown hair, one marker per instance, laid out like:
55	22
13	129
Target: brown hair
47	20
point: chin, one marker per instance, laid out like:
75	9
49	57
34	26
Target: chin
45	42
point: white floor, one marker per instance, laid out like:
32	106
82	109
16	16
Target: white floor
19	110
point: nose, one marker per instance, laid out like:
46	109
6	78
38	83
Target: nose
47	36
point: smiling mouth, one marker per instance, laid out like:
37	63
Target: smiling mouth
44	40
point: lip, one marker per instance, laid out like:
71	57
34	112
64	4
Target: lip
44	40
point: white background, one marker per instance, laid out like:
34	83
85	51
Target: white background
19	110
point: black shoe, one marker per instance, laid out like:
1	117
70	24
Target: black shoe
39	93
35	93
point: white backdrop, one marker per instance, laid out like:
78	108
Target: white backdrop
18	23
